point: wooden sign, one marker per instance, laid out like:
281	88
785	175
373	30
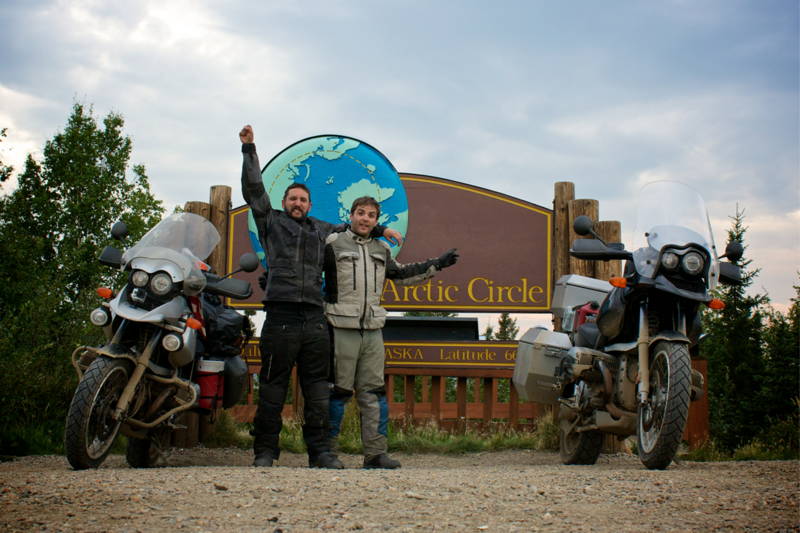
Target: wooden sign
436	355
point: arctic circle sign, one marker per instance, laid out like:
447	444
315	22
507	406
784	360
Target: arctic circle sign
504	243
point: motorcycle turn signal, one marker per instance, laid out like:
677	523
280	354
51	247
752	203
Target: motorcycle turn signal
717	304
618	282
106	293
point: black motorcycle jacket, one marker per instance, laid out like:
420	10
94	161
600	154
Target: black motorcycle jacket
294	250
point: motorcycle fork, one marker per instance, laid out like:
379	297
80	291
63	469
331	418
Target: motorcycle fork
141	365
643	344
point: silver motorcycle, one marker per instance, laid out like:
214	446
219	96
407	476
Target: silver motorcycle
142	379
621	366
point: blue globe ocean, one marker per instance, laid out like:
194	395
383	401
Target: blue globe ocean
337	170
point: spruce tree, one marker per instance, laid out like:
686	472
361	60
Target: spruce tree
52	229
733	350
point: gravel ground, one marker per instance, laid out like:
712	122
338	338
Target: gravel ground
217	490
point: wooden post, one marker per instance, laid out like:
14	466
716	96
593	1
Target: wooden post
489	396
436	401
513	417
219	205
609	231
204	426
461	405
198	208
389	384
409	393
564	193
575	209
192	421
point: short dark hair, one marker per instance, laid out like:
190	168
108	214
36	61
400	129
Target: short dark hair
366	200
297	186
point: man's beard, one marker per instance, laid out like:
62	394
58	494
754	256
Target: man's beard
298	216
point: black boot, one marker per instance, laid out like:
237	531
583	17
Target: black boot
326	460
381	461
263	459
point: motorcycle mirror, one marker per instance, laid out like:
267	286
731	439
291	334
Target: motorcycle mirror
734	251
119	230
248	262
583	225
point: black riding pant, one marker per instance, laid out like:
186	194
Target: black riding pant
287	338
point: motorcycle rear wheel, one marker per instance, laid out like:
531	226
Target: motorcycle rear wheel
580	448
144	453
663	419
91	431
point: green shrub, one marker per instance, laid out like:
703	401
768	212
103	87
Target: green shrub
546	433
229	432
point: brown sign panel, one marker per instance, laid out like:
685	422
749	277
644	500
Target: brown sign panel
504	245
455	355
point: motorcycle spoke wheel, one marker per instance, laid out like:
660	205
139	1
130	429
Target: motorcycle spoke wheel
91	430
662	419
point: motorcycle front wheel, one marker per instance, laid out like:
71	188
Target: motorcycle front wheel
663	418
91	431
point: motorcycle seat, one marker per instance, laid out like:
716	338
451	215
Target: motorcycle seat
587	335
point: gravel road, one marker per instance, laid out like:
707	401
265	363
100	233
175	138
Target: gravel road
217	490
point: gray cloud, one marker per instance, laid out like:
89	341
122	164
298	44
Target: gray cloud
509	96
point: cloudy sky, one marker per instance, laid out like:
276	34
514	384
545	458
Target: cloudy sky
511	96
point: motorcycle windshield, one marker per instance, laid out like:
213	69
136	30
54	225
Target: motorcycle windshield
671	214
191	236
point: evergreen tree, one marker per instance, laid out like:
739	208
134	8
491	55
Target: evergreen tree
507	329
736	367
782	371
52	229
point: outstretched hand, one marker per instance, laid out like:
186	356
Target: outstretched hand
447	259
246	135
393	236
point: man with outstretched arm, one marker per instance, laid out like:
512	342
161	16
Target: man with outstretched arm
295	330
356	266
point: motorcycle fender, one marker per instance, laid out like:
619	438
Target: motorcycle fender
671	336
116	351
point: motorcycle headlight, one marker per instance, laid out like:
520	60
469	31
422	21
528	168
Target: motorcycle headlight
140	278
100	317
162	284
172	342
693	263
669	260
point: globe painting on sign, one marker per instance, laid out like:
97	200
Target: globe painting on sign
337	170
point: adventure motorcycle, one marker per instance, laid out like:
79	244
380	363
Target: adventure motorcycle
146	375
622	364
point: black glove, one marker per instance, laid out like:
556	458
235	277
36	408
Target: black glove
445	260
262	280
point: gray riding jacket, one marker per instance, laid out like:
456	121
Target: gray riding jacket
355	271
294	250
